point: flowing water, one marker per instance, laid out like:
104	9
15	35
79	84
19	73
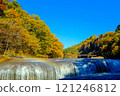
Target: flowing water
53	69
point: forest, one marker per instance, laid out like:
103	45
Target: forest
22	34
106	45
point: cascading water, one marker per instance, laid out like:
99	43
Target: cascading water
28	71
52	69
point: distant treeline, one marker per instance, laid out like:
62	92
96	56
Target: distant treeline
106	45
24	34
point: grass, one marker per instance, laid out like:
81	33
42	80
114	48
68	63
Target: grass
99	57
4	58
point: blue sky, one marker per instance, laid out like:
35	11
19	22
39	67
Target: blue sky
72	21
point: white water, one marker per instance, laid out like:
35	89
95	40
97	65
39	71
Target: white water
32	69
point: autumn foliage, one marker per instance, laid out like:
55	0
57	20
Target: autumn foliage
106	45
24	34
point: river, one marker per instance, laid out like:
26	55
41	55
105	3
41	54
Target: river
63	69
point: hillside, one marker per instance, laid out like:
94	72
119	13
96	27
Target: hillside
24	34
106	45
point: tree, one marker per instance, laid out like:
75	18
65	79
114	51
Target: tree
21	32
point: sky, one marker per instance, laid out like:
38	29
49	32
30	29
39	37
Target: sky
73	21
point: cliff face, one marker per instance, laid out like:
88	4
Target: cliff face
106	45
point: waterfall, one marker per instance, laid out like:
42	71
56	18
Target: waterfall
32	69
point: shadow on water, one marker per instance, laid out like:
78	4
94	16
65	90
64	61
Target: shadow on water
96	69
64	69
